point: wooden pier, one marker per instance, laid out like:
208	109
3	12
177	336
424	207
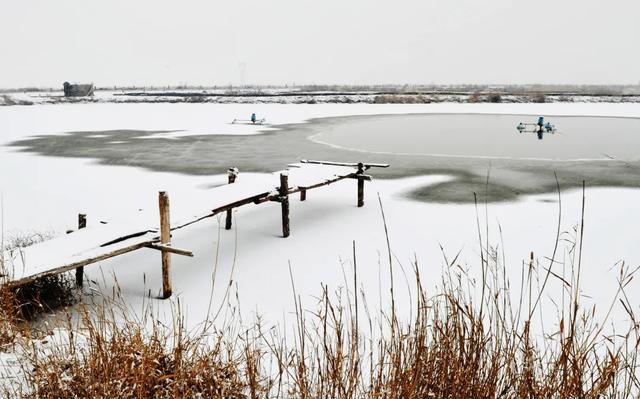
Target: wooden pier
93	244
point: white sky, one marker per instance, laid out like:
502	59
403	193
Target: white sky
158	42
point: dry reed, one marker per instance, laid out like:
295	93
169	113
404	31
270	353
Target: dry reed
464	339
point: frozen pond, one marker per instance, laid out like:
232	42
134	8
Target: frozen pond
599	150
489	136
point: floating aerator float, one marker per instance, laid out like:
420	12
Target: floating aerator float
539	128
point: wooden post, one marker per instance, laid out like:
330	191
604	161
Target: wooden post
165	238
82	223
360	185
284	201
303	194
232	173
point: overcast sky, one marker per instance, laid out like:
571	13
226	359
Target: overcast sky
210	42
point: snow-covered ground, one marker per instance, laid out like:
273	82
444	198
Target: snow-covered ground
293	96
45	193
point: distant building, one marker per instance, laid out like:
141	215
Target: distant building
78	90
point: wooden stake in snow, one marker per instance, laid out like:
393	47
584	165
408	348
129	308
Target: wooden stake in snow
82	223
284	202
165	239
360	185
232	173
303	194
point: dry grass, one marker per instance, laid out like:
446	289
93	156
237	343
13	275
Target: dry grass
465	339
456	345
122	359
538	98
20	305
477	97
402	99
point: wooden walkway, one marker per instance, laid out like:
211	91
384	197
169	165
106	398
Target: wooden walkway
103	241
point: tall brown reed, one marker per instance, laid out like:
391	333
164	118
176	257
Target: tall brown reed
465	338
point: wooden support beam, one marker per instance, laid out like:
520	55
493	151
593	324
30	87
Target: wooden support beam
360	186
82	223
267	198
256	199
276	197
232	173
321	184
165	238
303	194
284	202
164	247
361	177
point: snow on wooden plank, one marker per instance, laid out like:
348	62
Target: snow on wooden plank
70	251
307	175
104	241
352	164
219	199
240	193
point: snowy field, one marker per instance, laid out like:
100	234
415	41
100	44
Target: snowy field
46	194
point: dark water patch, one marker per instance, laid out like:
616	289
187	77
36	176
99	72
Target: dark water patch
213	154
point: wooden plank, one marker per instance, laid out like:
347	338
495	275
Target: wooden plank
84	262
324	183
256	199
238	203
86	243
127	237
354	164
311	175
276	197
165	238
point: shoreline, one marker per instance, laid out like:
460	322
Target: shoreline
278	96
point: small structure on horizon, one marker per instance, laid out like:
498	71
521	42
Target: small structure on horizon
78	90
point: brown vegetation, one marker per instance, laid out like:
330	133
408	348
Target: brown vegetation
464	339
401	99
20	305
538	98
454	346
